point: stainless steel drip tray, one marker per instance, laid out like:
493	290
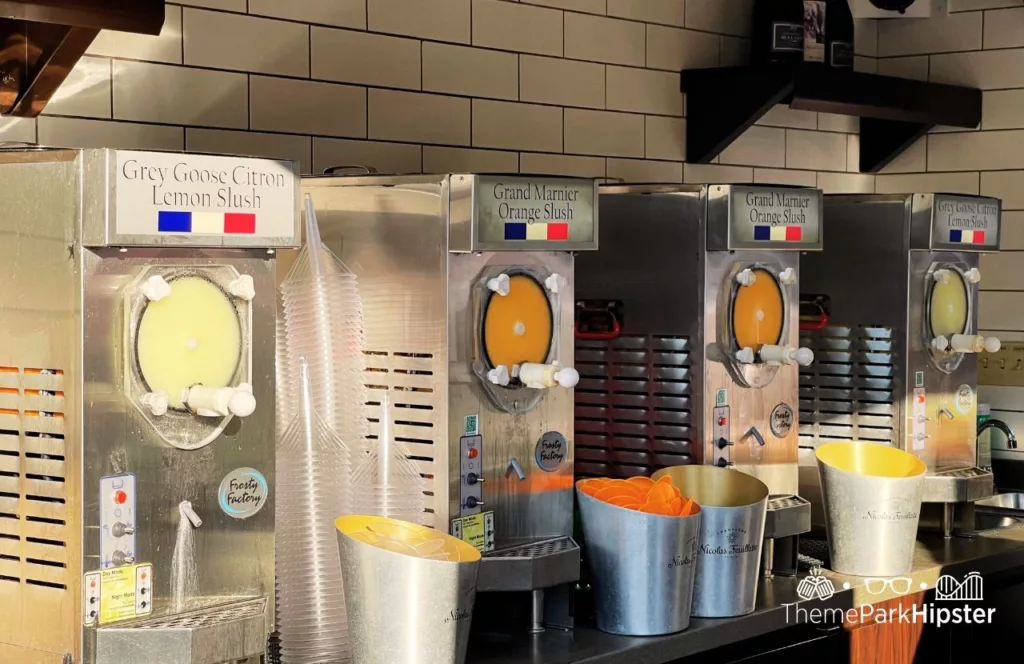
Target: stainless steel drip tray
788	515
532	566
209	636
959	485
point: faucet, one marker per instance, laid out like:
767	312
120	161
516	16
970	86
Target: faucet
1011	439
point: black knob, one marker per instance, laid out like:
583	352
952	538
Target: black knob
473	501
722	463
722	443
472	478
142	604
93	600
142	591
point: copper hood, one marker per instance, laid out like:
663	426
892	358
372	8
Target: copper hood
41	40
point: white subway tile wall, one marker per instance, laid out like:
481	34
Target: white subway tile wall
575	87
979	43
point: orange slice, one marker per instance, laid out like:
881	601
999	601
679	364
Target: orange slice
608	493
662	493
676	506
642	482
625	501
657	508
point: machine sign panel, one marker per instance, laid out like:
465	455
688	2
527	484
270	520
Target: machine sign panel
202	196
521	209
960	223
763	217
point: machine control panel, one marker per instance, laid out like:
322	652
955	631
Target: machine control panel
721	445
91	607
117	520
471	481
143	590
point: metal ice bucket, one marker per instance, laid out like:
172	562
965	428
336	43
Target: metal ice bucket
872	498
642	567
734	507
402	607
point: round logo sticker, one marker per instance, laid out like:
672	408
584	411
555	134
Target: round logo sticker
552	449
243	493
964	399
782	420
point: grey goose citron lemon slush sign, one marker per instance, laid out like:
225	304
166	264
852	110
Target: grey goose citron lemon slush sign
965	223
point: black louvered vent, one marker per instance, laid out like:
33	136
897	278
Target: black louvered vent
632	405
847	393
33	493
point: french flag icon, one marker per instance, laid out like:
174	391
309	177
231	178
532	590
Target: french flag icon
206	223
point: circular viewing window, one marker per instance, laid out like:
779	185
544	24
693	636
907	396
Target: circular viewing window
947	306
517	327
191	337
758	312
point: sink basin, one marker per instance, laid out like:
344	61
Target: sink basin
1004	502
983	522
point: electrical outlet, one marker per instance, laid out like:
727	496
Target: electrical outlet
1004	368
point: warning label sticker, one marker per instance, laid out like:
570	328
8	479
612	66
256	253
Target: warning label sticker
476	530
119	593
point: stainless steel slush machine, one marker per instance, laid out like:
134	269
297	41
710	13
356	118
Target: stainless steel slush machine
136	404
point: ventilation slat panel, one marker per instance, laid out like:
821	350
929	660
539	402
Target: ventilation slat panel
632	405
10	568
847	393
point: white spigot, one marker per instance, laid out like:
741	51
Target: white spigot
973	275
155	288
499	375
500	284
974	343
745	356
942	276
555	283
746	278
157	402
940	343
243	287
221	401
786	355
992	345
541	376
787	277
185	508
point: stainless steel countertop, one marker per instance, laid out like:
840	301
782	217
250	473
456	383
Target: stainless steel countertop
988	554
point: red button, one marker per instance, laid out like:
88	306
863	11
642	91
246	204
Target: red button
120	497
722	421
473	453
143	576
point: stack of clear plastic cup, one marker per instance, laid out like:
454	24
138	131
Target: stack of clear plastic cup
312	471
323	322
385	482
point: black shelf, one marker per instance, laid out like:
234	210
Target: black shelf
722	103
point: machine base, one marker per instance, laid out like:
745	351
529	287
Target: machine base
211	636
788	517
961	485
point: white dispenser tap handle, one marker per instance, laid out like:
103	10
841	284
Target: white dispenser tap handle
973	275
746	278
155	288
157	402
499	375
221	401
967	343
555	283
786	355
243	287
745	356
992	345
787	277
500	284
942	276
804	356
940	343
541	376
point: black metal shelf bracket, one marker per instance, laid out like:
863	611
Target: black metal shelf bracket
722	103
